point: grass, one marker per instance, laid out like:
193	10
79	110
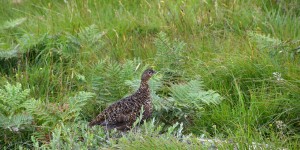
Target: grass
243	50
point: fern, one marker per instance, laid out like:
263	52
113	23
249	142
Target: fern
192	96
108	83
48	115
193	93
16	122
109	79
169	54
12	111
75	106
12	23
170	57
10	54
152	135
275	46
91	37
74	136
11	98
79	136
264	42
187	100
44	114
29	41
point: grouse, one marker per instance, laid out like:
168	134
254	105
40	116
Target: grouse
122	114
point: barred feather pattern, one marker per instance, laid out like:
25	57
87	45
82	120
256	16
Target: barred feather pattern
123	113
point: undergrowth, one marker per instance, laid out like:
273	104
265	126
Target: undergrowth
228	73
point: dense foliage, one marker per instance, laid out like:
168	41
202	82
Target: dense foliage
227	70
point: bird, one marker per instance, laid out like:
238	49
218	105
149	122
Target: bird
122	114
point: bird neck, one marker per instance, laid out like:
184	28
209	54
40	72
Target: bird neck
144	86
143	92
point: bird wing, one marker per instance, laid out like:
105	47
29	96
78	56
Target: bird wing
117	114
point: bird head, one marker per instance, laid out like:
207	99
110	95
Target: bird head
147	74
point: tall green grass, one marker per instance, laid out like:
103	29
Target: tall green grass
246	51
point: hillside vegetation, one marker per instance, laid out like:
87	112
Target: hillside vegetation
228	72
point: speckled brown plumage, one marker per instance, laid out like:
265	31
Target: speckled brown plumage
123	113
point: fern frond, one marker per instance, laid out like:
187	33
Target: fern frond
75	136
11	99
169	54
29	41
130	68
91	35
49	115
162	43
274	45
44	114
188	99
170	58
110	77
75	106
12	110
13	23
192	95
16	122
6	54
264	41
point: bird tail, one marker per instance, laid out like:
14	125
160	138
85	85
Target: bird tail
92	123
99	120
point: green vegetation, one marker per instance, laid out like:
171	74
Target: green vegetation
227	70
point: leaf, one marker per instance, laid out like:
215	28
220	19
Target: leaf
15	122
11	99
12	23
75	105
12	110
